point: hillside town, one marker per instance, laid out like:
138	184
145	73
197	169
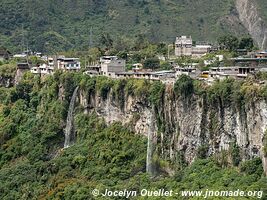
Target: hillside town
214	66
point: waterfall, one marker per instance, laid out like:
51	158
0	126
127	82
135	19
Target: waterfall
69	131
150	146
264	163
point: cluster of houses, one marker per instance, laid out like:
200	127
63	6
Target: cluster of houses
238	68
114	67
47	65
53	63
50	64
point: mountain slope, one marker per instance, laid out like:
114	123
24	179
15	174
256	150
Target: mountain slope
250	15
59	25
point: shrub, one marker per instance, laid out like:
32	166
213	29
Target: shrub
202	151
184	86
253	166
8	70
137	87
221	90
103	85
151	63
156	92
235	154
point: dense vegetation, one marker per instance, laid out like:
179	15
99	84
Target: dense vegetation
60	25
33	164
227	91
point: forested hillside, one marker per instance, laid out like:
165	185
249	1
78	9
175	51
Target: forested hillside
53	25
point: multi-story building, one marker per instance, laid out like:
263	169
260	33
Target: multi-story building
183	46
109	65
68	64
43	69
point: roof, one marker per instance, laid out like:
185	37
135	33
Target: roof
109	57
125	73
163	72
145	73
23	66
203	46
248	59
68	59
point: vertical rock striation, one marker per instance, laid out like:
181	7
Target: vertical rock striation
186	126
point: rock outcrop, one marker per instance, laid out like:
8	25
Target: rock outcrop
186	126
251	19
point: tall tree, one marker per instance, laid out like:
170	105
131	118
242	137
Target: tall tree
246	43
228	42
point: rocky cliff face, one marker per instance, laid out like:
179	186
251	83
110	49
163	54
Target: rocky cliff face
250	18
190	126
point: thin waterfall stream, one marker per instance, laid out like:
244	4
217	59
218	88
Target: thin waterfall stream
69	130
150	146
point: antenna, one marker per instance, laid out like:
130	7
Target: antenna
91	38
27	52
22	39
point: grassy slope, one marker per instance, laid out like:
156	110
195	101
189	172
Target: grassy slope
66	24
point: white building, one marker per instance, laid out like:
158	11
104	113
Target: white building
43	69
109	65
23	55
68	64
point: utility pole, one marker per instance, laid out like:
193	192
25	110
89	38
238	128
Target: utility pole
91	38
22	39
27	52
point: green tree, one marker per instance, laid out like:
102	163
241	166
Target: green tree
246	43
140	42
184	86
165	66
162	48
228	42
94	54
151	63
